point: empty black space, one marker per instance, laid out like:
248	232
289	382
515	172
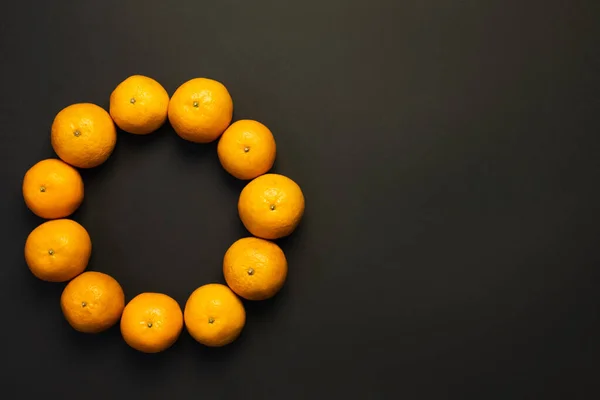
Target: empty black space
448	152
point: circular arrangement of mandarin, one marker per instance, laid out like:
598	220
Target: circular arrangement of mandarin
255	268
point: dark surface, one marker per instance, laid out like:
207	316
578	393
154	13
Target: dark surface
448	152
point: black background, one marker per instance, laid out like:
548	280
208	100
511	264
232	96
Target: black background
448	153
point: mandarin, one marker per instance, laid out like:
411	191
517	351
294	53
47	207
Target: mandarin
247	149
83	135
58	250
200	110
52	189
139	105
254	268
92	302
214	316
271	206
151	322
